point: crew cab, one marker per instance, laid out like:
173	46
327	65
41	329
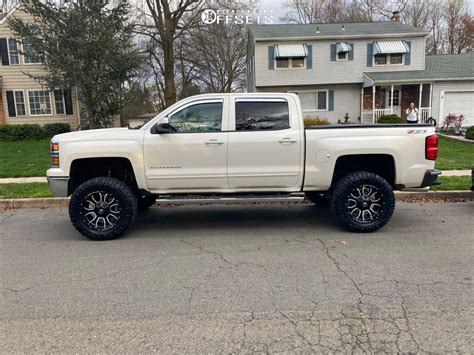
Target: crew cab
238	147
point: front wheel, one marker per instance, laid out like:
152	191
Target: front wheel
103	208
363	202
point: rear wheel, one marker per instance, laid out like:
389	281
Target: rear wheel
103	208
363	202
318	198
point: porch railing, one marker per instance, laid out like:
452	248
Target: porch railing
381	112
425	113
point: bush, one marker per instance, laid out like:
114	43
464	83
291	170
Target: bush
390	119
470	133
14	132
315	121
51	129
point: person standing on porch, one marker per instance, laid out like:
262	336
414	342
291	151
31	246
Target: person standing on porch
412	114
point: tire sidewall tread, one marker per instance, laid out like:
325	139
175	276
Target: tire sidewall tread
128	206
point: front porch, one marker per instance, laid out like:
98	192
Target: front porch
387	99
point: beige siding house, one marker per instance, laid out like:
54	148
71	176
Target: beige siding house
22	99
359	70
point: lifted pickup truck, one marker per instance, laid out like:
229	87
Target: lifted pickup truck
232	147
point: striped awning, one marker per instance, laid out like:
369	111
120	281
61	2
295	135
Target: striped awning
388	47
290	50
343	47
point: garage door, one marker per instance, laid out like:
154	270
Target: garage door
460	102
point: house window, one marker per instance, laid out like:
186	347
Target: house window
20	103
13	51
385	59
380	59
39	102
342	56
396	58
396	97
314	100
59	106
30	55
290	62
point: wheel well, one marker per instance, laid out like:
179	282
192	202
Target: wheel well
88	168
380	164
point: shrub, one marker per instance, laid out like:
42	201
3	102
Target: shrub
453	123
390	119
308	121
13	132
51	129
470	133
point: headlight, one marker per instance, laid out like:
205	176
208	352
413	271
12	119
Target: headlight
54	151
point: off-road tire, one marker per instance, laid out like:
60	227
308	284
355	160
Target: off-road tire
125	207
318	198
342	201
146	202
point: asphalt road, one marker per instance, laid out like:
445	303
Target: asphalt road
239	279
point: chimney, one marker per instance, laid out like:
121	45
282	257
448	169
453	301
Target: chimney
395	16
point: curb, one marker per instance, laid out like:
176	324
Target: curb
55	202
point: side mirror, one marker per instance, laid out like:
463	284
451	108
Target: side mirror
163	126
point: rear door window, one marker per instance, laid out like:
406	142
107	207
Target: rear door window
261	115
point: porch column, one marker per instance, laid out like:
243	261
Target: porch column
373	103
421	96
431	94
362	104
391	100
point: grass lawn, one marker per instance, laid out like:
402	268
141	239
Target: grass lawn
40	189
454	155
453	183
34	189
24	158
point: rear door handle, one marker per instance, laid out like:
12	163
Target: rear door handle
214	142
287	141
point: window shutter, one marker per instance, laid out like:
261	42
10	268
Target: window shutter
408	54
271	57
4	51
351	52
333	52
309	58
331	100
68	101
11	104
370	54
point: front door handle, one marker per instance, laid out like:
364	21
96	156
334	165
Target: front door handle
287	141
214	142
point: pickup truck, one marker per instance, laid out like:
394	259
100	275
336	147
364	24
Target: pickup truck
238	147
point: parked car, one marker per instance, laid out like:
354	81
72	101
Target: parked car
233	147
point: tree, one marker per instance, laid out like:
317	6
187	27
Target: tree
87	45
165	21
138	102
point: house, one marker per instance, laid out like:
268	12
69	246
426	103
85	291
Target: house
22	99
363	70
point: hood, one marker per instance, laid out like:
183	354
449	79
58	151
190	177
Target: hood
96	135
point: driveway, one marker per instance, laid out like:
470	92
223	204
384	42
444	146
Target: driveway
250	278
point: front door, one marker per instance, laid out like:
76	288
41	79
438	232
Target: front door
193	155
266	147
409	95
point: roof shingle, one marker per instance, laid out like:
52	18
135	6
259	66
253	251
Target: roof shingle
455	66
332	29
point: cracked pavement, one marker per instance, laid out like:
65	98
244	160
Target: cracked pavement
240	278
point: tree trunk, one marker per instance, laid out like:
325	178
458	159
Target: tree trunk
170	84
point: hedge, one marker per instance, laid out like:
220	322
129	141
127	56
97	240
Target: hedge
10	132
470	133
316	121
389	119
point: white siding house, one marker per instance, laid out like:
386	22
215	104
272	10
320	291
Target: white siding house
363	70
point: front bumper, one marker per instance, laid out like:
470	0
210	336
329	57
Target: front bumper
58	185
431	178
